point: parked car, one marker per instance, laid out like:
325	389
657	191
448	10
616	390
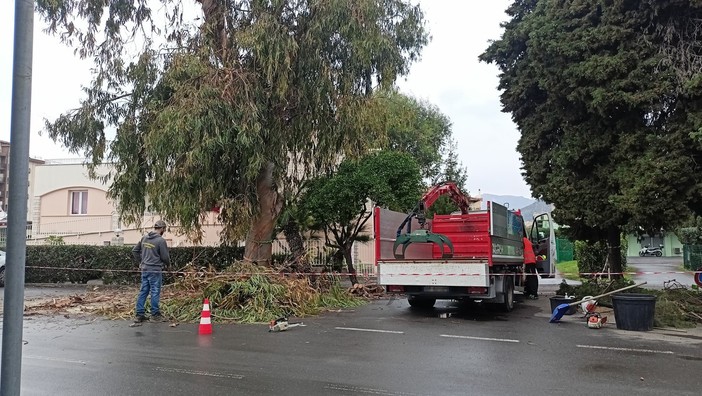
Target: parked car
2	268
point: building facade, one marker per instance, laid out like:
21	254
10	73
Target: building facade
66	202
5	177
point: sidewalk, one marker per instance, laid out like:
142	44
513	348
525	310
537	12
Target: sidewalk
549	286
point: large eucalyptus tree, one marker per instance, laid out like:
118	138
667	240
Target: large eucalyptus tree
228	102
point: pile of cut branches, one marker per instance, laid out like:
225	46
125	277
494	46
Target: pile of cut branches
108	301
242	293
678	306
250	294
367	291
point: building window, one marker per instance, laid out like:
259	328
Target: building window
79	202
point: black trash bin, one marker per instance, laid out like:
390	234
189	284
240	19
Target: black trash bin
558	300
634	311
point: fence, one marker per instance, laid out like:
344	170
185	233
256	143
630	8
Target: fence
692	257
564	250
320	255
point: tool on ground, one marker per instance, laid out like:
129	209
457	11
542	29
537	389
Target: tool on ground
282	324
595	320
205	320
563	308
589	305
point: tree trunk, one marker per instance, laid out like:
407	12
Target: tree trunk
349	265
291	230
614	248
259	239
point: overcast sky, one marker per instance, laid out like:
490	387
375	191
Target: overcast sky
448	75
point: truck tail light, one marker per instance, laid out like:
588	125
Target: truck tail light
477	290
396	288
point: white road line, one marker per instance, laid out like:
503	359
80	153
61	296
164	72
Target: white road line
370	330
479	338
53	359
625	349
359	390
196	372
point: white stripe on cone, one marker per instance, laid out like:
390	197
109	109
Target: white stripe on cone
205	307
205	321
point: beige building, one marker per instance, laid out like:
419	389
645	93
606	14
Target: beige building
67	203
4	176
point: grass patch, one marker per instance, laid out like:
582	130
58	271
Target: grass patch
568	269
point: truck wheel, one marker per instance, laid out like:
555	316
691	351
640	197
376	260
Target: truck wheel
421	302
2	277
508	304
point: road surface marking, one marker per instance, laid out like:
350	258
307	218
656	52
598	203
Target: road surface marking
479	338
370	330
359	390
196	372
53	359
625	349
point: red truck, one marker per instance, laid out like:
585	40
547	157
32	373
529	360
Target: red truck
475	254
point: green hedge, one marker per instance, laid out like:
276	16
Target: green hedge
112	264
692	257
591	257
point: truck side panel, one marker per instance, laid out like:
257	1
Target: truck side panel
506	231
469	234
385	231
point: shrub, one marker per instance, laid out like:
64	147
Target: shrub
113	264
591	257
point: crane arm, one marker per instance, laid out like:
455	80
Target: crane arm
463	201
449	188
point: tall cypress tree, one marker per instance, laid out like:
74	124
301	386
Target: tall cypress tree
602	137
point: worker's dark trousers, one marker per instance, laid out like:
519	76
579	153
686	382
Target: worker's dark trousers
531	288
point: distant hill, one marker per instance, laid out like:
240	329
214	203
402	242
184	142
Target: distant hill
514	201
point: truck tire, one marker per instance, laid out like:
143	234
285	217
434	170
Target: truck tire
508	304
421	302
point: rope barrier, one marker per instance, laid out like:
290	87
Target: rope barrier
584	274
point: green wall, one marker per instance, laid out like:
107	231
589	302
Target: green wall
670	244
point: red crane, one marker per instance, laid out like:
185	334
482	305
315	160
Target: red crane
462	200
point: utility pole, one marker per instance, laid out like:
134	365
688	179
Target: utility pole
13	304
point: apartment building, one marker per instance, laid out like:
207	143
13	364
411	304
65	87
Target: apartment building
4	177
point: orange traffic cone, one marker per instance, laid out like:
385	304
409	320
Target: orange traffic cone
205	322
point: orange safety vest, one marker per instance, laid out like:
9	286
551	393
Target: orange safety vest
529	256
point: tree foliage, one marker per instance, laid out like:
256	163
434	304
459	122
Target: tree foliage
605	132
341	204
231	104
415	127
420	129
451	170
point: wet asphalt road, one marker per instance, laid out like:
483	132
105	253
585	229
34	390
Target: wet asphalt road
667	268
383	348
52	290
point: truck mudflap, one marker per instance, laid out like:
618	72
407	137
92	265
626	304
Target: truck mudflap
463	273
